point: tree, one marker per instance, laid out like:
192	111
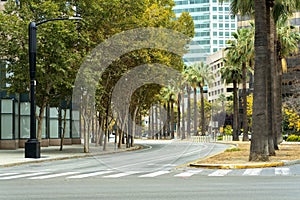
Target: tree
241	54
201	75
231	73
57	58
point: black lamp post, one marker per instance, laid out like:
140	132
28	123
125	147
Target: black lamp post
32	146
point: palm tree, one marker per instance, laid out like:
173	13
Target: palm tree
266	14
242	54
231	73
186	74
200	75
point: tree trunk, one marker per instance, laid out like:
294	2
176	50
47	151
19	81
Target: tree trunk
195	112
188	126
62	137
259	150
40	122
235	133
277	95
244	94
172	120
178	115
183	119
202	110
106	127
270	88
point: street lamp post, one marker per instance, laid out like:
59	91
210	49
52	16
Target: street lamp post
32	146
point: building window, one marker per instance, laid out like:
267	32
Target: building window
215	33
215	42
220	8
220	25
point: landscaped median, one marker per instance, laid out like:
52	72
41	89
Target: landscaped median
237	157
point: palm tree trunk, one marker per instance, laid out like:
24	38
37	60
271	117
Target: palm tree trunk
183	120
270	89
178	115
202	110
244	96
259	150
195	111
172	120
235	133
188	126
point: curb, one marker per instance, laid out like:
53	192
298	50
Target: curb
237	166
70	157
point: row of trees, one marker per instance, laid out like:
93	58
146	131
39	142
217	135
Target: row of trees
269	50
63	45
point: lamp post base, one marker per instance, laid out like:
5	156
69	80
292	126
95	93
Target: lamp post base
32	149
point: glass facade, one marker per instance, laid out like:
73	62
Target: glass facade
213	26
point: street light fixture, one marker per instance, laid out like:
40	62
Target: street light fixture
32	146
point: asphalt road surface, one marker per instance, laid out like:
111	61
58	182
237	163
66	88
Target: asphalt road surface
150	173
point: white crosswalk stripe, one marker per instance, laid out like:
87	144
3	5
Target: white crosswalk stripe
221	172
90	174
282	171
54	175
188	173
7	174
22	175
120	174
154	174
252	172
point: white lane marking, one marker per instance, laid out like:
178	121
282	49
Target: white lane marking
22	175
188	173
282	171
154	174
120	174
54	175
252	172
7	174
220	172
90	174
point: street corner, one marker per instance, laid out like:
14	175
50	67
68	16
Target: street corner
237	166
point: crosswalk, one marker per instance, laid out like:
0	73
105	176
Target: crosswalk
284	171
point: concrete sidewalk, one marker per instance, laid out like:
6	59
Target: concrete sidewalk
16	157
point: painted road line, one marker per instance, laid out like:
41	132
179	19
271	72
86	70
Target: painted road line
154	174
252	172
90	174
120	174
188	173
22	175
282	171
7	174
54	175
220	172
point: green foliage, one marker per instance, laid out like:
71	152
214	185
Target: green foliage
228	130
232	149
293	138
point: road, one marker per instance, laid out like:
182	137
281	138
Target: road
147	174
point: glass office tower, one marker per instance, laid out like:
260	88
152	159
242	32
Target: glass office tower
214	24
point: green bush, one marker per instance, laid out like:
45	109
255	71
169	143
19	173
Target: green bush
233	149
220	137
293	138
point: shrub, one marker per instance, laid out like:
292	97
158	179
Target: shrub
232	149
293	138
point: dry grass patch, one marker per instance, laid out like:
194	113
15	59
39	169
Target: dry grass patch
239	154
